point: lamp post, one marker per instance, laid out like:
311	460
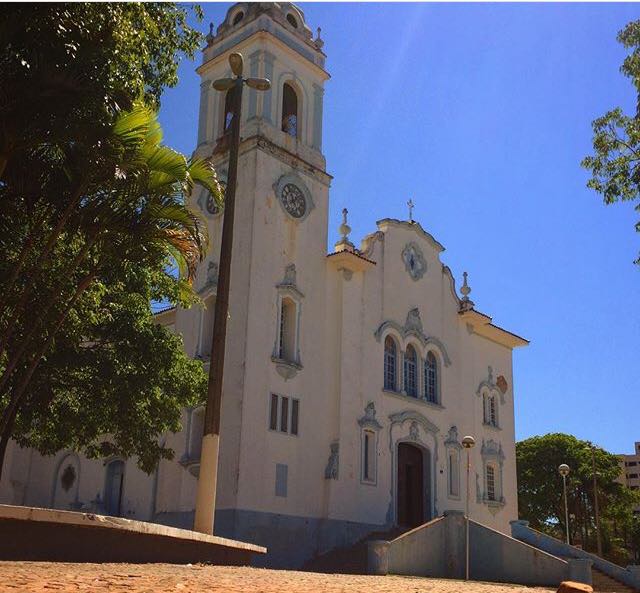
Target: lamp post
467	442
563	469
595	501
208	478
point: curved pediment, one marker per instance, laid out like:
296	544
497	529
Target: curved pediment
412	226
489	384
413	328
413	416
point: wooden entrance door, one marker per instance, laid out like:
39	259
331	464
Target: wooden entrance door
113	488
410	486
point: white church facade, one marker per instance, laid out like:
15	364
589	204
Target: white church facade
350	376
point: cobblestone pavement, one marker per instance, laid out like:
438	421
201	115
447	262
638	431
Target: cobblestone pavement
49	577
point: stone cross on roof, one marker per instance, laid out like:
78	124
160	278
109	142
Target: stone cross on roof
411	206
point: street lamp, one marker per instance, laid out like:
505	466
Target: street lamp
467	442
208	478
595	501
564	470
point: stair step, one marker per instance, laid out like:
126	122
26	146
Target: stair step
349	559
603	583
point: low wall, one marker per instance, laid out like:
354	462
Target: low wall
290	540
495	556
520	530
42	534
438	549
420	552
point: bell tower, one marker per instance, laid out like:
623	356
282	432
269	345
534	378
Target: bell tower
281	158
277	44
275	332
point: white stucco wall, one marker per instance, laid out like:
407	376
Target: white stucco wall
343	301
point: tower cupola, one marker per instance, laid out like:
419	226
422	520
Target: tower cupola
277	44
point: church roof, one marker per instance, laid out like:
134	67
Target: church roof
413	225
286	14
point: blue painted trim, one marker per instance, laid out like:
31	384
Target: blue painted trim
205	87
520	530
290	540
406	332
269	60
253	94
318	98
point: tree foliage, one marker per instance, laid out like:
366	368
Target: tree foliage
92	211
541	499
615	164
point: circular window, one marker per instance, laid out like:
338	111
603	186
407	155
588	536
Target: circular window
293	200
211	205
292	20
238	18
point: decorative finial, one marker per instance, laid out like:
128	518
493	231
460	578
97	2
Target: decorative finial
211	34
344	230
411	206
318	42
465	289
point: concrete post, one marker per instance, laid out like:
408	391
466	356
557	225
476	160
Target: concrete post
634	569
580	570
454	544
519	527
378	557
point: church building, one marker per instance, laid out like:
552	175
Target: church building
351	376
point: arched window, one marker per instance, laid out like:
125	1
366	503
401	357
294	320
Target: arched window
288	322
206	327
238	18
431	378
493	411
490	405
390	357
228	110
289	110
113	488
292	21
410	376
197	429
491	482
454	472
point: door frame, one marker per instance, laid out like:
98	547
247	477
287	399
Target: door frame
122	483
428	478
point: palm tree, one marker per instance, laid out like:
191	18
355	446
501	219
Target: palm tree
125	201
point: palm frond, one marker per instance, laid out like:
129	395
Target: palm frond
131	128
166	160
201	172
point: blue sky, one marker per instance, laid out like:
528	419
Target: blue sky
481	113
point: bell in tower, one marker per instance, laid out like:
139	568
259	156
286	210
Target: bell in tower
277	44
278	261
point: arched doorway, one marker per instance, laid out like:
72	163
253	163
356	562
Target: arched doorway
113	488
413	485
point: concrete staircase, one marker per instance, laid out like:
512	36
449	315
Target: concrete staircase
349	559
603	583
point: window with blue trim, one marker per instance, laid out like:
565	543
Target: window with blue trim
431	378
390	358
410	375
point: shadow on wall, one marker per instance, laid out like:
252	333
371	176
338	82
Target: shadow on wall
520	530
437	549
290	541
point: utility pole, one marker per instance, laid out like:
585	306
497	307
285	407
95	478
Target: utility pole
563	469
467	442
208	477
595	501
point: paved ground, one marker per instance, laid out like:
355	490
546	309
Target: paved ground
48	577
